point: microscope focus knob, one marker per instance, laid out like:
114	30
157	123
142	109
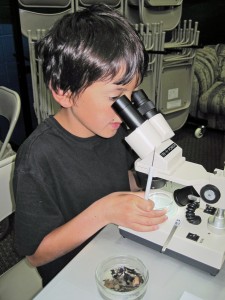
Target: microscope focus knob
210	193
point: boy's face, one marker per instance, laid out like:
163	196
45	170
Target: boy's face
91	112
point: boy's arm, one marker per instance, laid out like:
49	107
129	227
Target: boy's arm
68	236
122	208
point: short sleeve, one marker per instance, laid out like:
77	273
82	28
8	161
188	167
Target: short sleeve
36	213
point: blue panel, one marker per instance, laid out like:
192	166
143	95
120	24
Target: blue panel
3	75
1	50
8	48
7	29
12	76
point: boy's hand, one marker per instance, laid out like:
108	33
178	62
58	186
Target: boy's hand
131	210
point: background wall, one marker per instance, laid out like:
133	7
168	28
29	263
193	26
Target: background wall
211	17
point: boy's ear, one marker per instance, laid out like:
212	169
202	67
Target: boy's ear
63	99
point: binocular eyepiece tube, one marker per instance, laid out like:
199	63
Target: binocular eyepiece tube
136	111
131	117
144	105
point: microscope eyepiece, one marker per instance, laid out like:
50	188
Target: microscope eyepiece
144	105
131	117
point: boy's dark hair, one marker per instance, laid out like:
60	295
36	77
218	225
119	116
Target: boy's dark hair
91	45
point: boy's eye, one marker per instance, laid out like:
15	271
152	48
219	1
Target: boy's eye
114	98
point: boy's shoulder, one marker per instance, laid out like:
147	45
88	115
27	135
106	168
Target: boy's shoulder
38	134
38	140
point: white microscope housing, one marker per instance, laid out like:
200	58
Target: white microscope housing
160	157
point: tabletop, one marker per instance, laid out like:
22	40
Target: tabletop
169	279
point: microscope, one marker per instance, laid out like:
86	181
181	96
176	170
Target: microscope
195	229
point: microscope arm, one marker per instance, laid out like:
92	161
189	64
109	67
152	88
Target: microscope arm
169	164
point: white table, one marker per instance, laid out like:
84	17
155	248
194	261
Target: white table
169	278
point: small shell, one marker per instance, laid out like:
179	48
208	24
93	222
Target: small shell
136	281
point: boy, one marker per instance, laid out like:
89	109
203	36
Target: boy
71	174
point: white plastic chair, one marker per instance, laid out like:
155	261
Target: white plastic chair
115	4
7	202
154	11
168	80
36	18
168	12
10	109
35	15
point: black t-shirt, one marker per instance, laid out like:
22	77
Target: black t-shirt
58	175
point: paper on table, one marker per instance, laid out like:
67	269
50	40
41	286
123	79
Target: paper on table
189	296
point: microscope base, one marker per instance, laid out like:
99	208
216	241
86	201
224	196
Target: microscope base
206	268
192	244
